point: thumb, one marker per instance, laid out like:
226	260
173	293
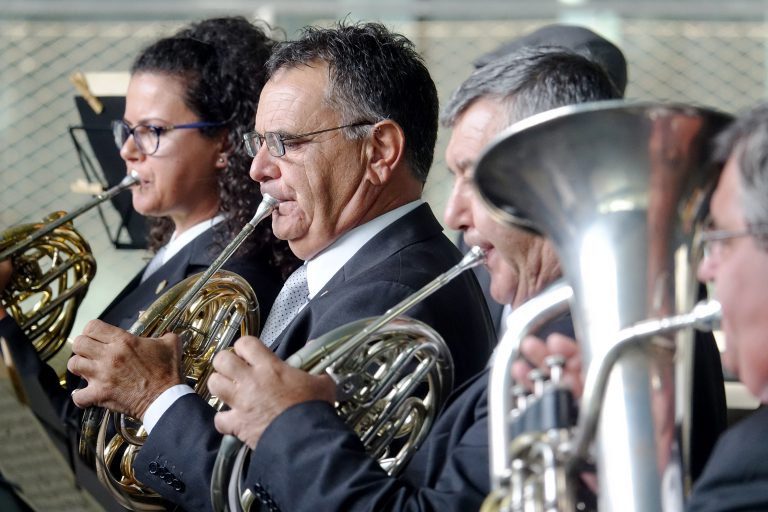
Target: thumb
252	350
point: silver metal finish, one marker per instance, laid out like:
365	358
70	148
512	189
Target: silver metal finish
620	189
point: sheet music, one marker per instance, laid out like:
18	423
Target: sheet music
28	457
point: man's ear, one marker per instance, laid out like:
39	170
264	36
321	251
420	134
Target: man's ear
384	151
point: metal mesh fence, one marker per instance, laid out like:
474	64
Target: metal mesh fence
715	63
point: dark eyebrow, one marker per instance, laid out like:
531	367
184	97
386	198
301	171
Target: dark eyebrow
465	166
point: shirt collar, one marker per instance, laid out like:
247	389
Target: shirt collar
324	266
178	242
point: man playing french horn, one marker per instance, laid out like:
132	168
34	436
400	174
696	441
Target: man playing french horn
305	457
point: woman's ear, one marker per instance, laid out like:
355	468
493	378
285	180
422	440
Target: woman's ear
225	149
384	151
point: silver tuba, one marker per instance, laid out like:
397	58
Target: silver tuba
620	188
392	376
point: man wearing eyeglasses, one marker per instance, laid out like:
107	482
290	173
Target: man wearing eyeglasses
344	137
736	265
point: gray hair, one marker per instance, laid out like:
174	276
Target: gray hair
746	139
375	74
532	80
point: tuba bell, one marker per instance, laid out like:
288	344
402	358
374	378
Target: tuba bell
52	268
620	188
208	311
392	377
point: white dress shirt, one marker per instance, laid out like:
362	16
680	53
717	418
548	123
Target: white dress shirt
320	270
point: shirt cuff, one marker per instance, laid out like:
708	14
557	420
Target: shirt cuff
162	403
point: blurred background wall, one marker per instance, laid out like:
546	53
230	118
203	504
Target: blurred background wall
703	52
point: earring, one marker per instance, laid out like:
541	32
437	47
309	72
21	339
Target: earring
221	159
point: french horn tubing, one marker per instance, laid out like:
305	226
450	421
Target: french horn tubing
381	366
52	268
208	311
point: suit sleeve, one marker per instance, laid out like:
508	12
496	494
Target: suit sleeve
177	459
308	459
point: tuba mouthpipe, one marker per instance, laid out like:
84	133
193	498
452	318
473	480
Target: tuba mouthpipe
525	319
704	316
127	182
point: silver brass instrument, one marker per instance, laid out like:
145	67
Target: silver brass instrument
380	366
208	311
620	188
52	268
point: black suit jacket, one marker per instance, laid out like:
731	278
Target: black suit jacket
736	476
308	459
390	267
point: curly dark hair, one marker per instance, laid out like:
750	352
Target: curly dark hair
221	62
375	74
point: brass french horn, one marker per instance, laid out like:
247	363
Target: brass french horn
208	311
52	268
621	189
392	377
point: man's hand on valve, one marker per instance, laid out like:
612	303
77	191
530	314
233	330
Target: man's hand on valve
536	351
257	386
125	373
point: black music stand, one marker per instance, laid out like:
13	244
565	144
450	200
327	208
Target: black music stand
98	131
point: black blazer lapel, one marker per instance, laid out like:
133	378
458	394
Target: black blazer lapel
137	296
413	227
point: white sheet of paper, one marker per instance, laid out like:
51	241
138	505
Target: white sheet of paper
28	457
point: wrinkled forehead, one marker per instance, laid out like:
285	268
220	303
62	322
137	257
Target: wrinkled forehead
293	98
725	207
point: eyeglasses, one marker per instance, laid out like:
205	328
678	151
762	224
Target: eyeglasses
276	142
712	241
147	136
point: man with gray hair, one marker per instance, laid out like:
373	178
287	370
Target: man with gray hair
573	38
736	264
579	40
485	104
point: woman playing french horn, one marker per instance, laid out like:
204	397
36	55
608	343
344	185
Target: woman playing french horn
190	98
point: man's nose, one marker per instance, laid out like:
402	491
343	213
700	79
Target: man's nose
458	214
264	166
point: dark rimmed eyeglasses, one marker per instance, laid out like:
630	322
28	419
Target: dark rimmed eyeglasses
712	241
147	136
276	141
